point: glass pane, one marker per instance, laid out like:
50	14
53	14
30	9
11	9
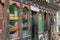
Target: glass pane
13	22
0	13
15	11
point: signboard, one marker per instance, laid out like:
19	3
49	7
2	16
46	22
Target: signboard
34	8
25	27
13	22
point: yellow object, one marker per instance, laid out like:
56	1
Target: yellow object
12	17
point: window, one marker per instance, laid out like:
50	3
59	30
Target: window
13	22
25	31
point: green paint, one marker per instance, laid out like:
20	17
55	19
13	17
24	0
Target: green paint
14	13
10	37
40	22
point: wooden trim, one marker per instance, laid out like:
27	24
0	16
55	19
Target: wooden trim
1	21
5	21
47	20
29	25
30	21
26	6
42	11
36	26
14	2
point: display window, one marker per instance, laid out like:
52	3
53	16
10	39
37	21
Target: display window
3	20
25	20
14	21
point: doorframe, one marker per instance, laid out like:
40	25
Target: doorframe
5	19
